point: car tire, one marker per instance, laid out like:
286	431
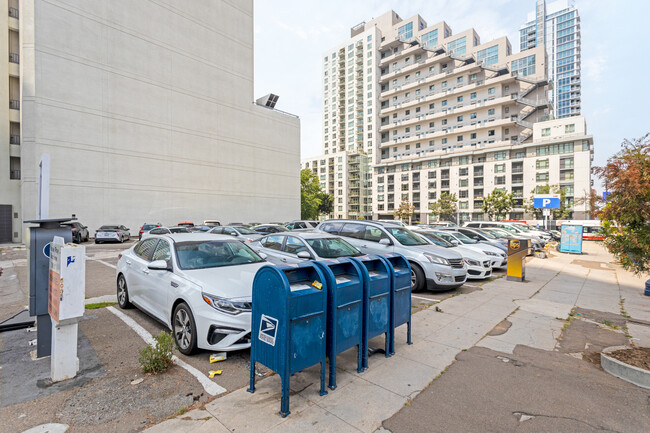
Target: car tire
184	329
418	280
97	242
123	293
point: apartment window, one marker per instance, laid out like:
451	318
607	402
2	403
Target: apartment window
472	115
546	132
463	183
444	141
569	128
459	79
499	180
463	205
500	156
463	193
541	164
491	91
463	160
542	177
491	112
500	168
459	99
566	163
459	138
444	103
472	95
459	119
463	171
489	56
491	133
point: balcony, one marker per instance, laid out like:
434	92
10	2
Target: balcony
14	104
14	58
14	139
13	13
14	174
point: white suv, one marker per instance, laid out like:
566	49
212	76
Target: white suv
432	267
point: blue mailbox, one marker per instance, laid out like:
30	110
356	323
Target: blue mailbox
288	323
400	296
376	301
344	310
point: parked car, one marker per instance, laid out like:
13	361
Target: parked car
432	267
166	231
479	265
146	227
498	256
200	229
185	224
269	228
198	285
297	225
243	233
480	237
515	229
79	232
112	233
295	247
212	223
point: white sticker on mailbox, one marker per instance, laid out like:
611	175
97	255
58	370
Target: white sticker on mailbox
268	329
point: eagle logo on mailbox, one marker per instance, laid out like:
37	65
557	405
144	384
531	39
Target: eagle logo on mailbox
268	329
515	244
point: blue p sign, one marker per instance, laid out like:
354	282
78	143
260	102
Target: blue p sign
546	202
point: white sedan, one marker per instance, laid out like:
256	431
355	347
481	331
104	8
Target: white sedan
198	285
498	257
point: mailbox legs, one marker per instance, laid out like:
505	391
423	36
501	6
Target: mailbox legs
251	388
323	391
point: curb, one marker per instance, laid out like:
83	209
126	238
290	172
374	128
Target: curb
628	373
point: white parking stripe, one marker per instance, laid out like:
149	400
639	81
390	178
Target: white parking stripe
209	386
426	299
104	263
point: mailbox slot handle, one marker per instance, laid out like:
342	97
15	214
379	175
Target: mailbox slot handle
380	295
307	316
358	301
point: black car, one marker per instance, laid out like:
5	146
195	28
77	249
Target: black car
79	232
269	228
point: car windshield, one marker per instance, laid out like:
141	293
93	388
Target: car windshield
487	234
214	254
463	238
437	240
510	229
179	230
329	248
500	233
523	228
245	231
109	228
406	237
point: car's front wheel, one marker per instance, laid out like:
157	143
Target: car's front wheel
122	293
417	279
184	329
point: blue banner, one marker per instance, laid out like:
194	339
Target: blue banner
571	241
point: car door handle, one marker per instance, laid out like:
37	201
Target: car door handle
128	262
284	260
145	271
174	284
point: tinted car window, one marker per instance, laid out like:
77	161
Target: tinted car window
179	230
406	237
213	254
294	245
353	230
334	228
145	248
157	231
473	224
273	242
374	234
229	231
299	225
149	226
217	230
162	252
245	231
332	247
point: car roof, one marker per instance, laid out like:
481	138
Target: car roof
188	237
379	223
306	235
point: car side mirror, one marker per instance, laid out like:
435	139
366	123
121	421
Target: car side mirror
159	265
262	255
455	243
384	241
304	255
234	234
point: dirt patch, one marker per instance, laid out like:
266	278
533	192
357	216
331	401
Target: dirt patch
638	357
501	328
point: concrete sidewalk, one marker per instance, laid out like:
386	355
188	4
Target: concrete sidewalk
362	401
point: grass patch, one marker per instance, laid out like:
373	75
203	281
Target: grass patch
99	305
610	324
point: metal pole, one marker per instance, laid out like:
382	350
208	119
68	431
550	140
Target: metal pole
44	187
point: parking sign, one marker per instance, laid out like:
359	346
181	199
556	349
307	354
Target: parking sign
546	201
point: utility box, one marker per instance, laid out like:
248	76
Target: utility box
376	301
288	324
39	239
344	310
517	252
400	296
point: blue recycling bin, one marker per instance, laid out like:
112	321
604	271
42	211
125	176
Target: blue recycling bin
376	301
288	323
400	296
344	310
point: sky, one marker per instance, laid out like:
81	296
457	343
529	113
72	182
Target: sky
292	36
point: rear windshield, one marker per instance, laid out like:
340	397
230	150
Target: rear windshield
487	234
406	237
179	230
109	228
460	236
245	231
149	226
214	254
329	248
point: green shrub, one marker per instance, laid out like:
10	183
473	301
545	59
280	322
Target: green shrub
157	357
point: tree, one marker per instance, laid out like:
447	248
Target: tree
310	195
326	205
592	201
445	207
405	210
626	215
498	203
564	212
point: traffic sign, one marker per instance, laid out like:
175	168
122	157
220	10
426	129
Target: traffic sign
546	201
605	194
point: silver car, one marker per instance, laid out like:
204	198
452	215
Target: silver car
432	267
242	233
112	234
295	247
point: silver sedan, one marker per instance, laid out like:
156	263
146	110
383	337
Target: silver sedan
295	247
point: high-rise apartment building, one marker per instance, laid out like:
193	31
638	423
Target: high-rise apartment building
142	123
433	112
557	27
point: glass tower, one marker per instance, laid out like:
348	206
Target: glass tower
557	26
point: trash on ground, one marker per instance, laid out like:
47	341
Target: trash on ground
213	373
216	357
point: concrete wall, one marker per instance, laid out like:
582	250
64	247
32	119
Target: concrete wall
146	109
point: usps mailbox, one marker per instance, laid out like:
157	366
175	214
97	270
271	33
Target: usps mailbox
344	310
376	301
400	296
289	319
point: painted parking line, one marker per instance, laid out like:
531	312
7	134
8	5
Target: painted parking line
426	299
209	386
104	263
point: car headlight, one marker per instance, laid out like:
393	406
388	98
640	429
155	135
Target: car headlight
490	253
226	305
471	262
436	259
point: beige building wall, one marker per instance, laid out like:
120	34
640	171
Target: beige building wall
146	110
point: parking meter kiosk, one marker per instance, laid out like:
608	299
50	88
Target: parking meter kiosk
517	252
67	283
39	239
